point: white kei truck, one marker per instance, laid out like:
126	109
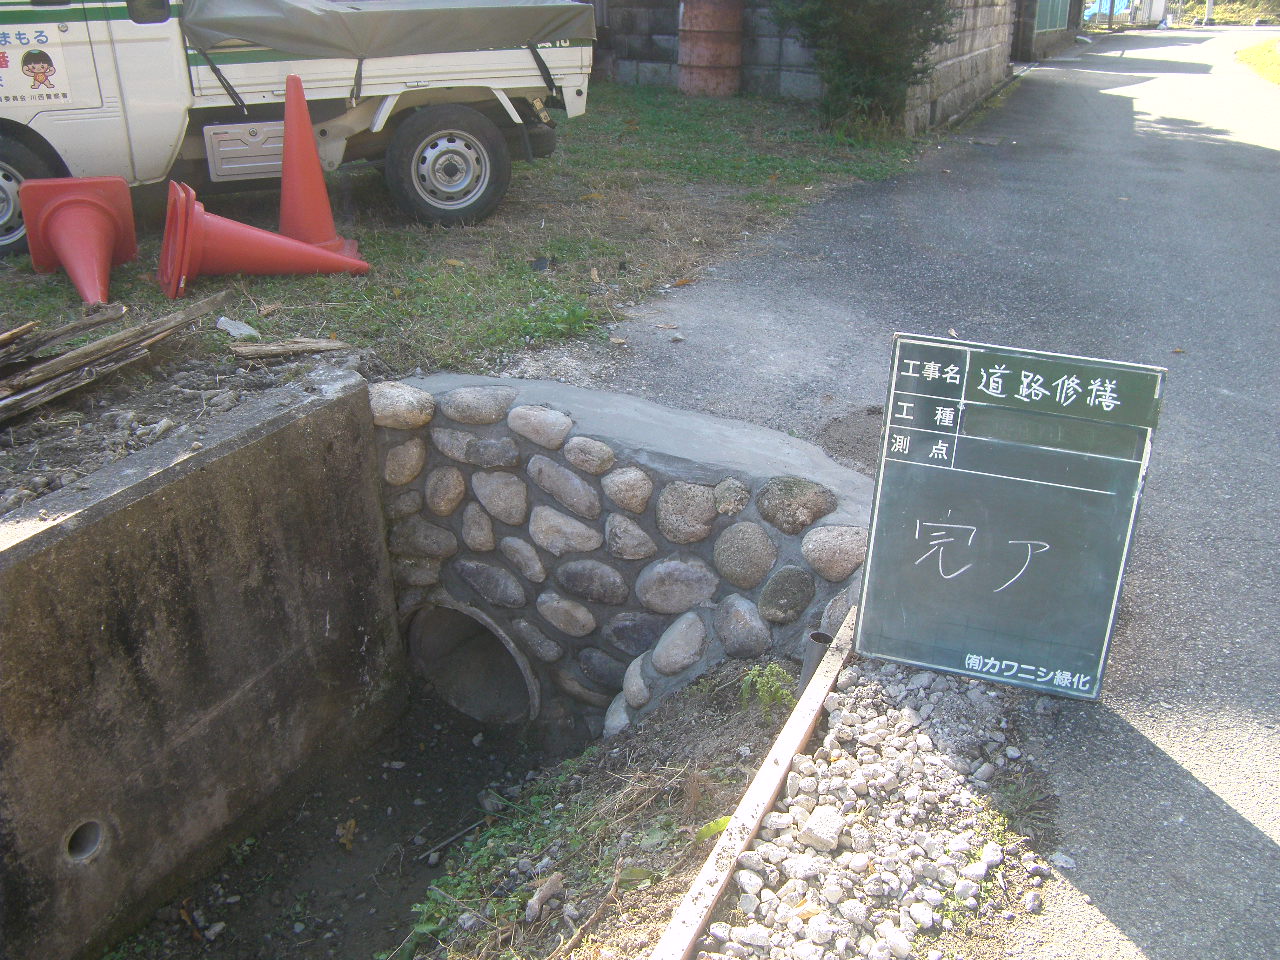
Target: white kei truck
443	93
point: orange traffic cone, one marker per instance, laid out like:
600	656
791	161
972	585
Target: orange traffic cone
305	213
82	224
198	243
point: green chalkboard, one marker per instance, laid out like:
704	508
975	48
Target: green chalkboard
1004	506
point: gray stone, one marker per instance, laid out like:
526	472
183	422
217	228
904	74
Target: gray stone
452	443
786	594
680	647
523	557
414	535
416	571
477	528
492	452
542	647
835	552
542	425
744	554
593	580
675	584
626	540
400	406
634	687
628	487
567	487
566	615
792	503
504	495
966	888
732	496
740	627
822	830
477	404
602	668
560	534
405	461
634	633
590	456
616	718
445	489
495	584
578	687
686	511
404	503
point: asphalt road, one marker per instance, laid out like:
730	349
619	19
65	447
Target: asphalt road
1120	202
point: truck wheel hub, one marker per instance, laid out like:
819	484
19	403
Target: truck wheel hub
451	169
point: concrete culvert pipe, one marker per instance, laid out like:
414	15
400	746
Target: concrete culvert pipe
471	667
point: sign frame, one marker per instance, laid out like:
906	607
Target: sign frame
1055	455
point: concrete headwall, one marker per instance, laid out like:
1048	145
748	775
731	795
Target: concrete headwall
617	548
182	645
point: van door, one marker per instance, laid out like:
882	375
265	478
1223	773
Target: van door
46	59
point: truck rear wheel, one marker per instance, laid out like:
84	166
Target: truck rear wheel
448	165
17	163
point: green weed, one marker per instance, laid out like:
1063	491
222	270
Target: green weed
769	685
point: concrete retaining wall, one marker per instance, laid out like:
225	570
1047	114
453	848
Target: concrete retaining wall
967	68
182	645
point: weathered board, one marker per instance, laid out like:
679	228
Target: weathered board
1004	506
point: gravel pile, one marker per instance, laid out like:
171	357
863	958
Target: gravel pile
878	843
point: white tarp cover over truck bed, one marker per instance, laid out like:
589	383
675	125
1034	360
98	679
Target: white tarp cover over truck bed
361	29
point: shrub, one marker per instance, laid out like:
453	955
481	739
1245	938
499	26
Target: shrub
868	52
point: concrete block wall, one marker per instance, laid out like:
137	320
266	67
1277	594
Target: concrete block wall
645	38
967	68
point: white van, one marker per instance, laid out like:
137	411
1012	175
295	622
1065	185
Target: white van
444	92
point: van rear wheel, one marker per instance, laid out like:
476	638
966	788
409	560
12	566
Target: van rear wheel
448	165
17	163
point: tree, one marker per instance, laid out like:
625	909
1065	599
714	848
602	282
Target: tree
868	52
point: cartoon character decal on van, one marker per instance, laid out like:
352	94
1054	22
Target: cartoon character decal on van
38	65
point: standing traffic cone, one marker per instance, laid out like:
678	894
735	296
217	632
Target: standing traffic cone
305	213
198	243
82	224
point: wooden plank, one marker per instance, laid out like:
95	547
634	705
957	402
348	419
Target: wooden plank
285	348
98	351
700	899
98	317
22	330
72	380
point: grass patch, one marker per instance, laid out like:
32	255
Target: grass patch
642	191
1263	59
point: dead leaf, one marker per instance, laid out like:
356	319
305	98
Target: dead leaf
347	834
551	886
806	910
595	275
1178	350
454	263
593	196
668	326
267	309
683	282
951	332
618	341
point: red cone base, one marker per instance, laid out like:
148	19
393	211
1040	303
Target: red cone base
82	224
197	243
305	213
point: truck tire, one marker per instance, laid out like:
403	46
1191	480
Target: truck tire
448	165
17	163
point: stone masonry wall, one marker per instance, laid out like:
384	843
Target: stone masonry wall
618	548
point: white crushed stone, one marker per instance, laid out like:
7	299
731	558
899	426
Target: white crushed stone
876	834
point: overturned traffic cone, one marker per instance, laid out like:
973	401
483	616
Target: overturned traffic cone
197	243
305	213
82	224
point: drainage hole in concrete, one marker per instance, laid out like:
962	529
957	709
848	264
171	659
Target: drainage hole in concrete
85	841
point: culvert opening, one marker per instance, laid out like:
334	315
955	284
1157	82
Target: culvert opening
84	841
470	667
